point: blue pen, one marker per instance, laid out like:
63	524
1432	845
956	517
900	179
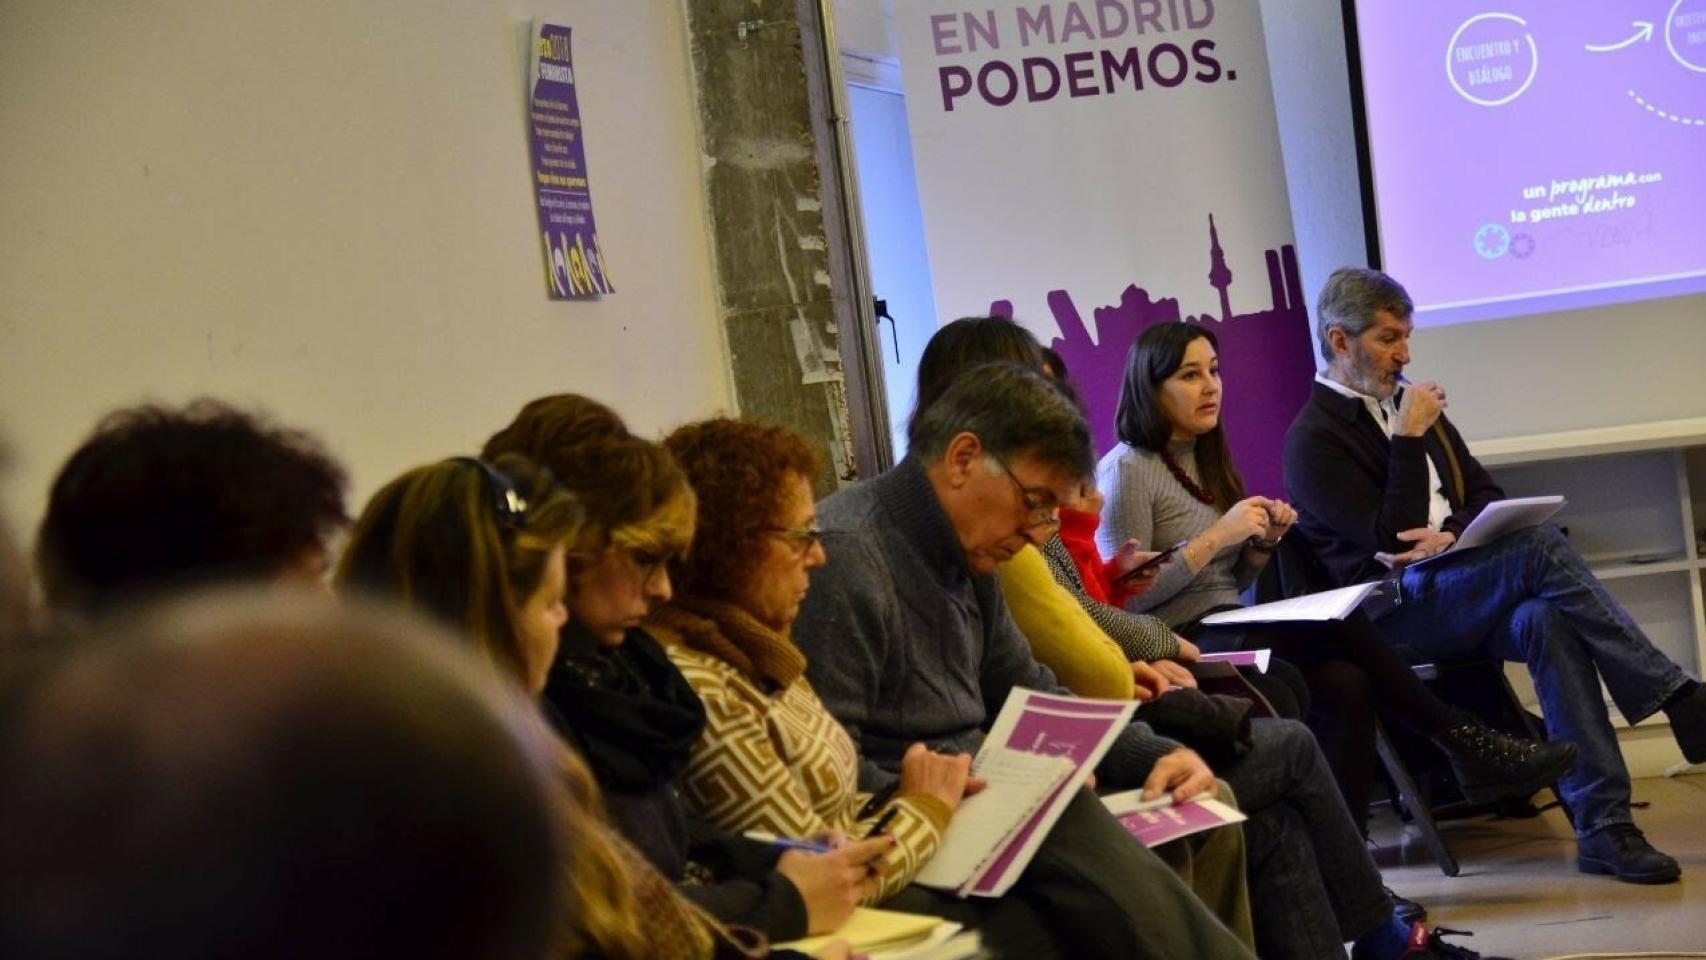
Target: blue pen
809	846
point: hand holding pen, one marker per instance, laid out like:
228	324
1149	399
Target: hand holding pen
947	777
1420	407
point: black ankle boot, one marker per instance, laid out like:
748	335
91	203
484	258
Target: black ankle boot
1493	766
1687	714
1622	851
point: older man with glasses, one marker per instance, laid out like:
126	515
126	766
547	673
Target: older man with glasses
908	639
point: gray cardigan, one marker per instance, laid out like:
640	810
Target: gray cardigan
1142	500
903	643
1138	635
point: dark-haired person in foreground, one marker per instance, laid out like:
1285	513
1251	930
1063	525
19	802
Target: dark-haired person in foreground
161	498
908	639
244	775
1375	467
17	612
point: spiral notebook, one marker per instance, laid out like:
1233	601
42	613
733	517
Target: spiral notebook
988	822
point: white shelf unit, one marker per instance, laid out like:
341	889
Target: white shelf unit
1636	505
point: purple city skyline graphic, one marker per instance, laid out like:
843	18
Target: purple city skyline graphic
1266	358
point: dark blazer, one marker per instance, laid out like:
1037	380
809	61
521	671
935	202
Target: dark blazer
1355	489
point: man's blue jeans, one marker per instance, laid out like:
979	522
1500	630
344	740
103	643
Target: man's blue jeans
1530	597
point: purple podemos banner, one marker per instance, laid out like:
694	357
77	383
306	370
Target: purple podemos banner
1537	155
1095	167
574	261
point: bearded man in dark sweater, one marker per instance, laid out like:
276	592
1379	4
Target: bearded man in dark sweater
908	639
1381	478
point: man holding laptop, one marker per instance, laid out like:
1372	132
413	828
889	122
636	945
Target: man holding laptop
1381	478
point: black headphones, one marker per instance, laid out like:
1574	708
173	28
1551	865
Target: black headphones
507	504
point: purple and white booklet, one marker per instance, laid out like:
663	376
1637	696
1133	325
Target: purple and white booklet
1154	822
1256	659
1077	729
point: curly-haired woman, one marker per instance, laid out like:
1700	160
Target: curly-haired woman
771	757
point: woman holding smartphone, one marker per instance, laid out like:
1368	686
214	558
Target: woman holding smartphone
1172	479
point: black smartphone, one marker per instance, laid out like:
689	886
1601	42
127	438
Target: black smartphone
1154	561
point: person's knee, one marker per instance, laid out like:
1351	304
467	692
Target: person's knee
1531	624
1339	688
1289	740
1541	536
1224	793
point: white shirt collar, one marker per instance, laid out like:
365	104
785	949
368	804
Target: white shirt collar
1340	388
1381	410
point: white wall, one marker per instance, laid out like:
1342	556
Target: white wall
323	207
894	242
1608	366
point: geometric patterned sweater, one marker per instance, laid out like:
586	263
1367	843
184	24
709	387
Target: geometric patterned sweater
772	757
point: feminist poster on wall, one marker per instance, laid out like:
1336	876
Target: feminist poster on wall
574	261
1096	167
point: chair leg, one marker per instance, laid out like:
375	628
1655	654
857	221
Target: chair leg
1412	799
1536	731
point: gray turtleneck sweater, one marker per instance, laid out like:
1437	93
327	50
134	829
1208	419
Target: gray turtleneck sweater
1142	500
904	643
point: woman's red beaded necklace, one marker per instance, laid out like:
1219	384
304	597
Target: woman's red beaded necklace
1184	478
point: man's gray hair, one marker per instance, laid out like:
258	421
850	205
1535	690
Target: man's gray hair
1351	298
1013	410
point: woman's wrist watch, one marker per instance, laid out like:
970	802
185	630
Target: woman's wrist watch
1266	546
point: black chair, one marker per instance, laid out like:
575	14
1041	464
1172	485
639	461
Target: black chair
1417	774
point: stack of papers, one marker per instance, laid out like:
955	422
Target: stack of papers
889	935
1498	519
1328	605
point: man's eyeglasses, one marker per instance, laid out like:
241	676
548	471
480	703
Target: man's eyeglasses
1040	514
802	539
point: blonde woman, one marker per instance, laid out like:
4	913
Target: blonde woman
613	693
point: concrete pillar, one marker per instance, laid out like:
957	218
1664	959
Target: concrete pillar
783	261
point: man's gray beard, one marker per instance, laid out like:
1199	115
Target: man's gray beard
1357	378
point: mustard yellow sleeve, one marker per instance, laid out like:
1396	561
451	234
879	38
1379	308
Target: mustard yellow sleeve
1062	635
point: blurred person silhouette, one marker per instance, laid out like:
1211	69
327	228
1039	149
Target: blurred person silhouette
241	774
162	498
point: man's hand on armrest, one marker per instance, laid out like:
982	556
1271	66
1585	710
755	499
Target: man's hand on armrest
1425	543
1150	682
1176	674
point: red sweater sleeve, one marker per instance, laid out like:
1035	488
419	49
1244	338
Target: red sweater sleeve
1078	533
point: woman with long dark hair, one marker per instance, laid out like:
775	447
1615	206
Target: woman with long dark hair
1172	478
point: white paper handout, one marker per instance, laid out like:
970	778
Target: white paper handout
1327	605
1498	519
1018	784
